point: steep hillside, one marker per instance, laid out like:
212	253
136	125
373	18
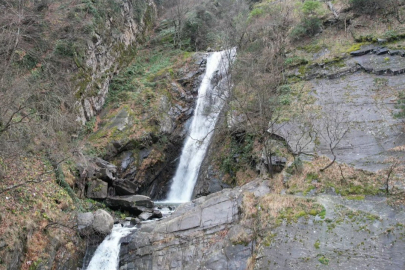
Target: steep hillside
95	102
57	60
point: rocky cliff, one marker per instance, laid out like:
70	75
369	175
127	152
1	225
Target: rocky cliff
113	44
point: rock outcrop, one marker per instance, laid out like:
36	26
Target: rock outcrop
250	227
146	162
134	204
111	46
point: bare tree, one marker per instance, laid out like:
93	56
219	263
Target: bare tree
300	135
332	129
257	76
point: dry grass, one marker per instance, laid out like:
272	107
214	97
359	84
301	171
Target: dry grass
343	178
27	210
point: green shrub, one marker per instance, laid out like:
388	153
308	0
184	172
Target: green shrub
400	105
64	48
312	25
307	28
311	7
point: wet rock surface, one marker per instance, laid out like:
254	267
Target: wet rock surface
362	97
203	234
194	237
134	204
354	235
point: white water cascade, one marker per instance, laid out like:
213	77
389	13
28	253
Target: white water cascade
107	253
209	104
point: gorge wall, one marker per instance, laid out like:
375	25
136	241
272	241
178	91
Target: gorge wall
113	44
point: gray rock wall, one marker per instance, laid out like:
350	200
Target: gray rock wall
112	45
212	232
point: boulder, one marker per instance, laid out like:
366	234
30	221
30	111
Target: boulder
124	187
145	216
381	50
97	169
361	52
135	204
84	221
103	222
97	189
133	221
397	52
157	214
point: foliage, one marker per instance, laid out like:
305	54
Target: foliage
307	28
140	75
311	7
238	154
310	24
400	105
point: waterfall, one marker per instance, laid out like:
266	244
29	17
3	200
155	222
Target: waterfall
209	104
107	254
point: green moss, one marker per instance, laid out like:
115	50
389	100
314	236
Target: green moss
308	189
312	176
355	47
322	214
301	213
336	61
323	260
355	197
313	212
302	70
311	48
317	244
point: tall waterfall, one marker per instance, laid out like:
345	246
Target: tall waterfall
209	104
107	254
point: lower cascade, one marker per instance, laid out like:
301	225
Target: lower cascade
107	254
211	97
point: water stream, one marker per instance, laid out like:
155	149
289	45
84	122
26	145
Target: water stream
107	254
211	97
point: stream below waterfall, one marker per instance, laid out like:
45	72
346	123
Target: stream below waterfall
107	253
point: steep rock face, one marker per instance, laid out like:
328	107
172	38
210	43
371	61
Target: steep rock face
194	237
146	155
110	47
250	227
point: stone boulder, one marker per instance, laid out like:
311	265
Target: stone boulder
84	221
103	222
134	204
145	215
97	189
124	187
362	51
99	222
380	50
97	168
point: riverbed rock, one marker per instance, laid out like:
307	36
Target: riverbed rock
157	214
135	204
145	216
103	222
